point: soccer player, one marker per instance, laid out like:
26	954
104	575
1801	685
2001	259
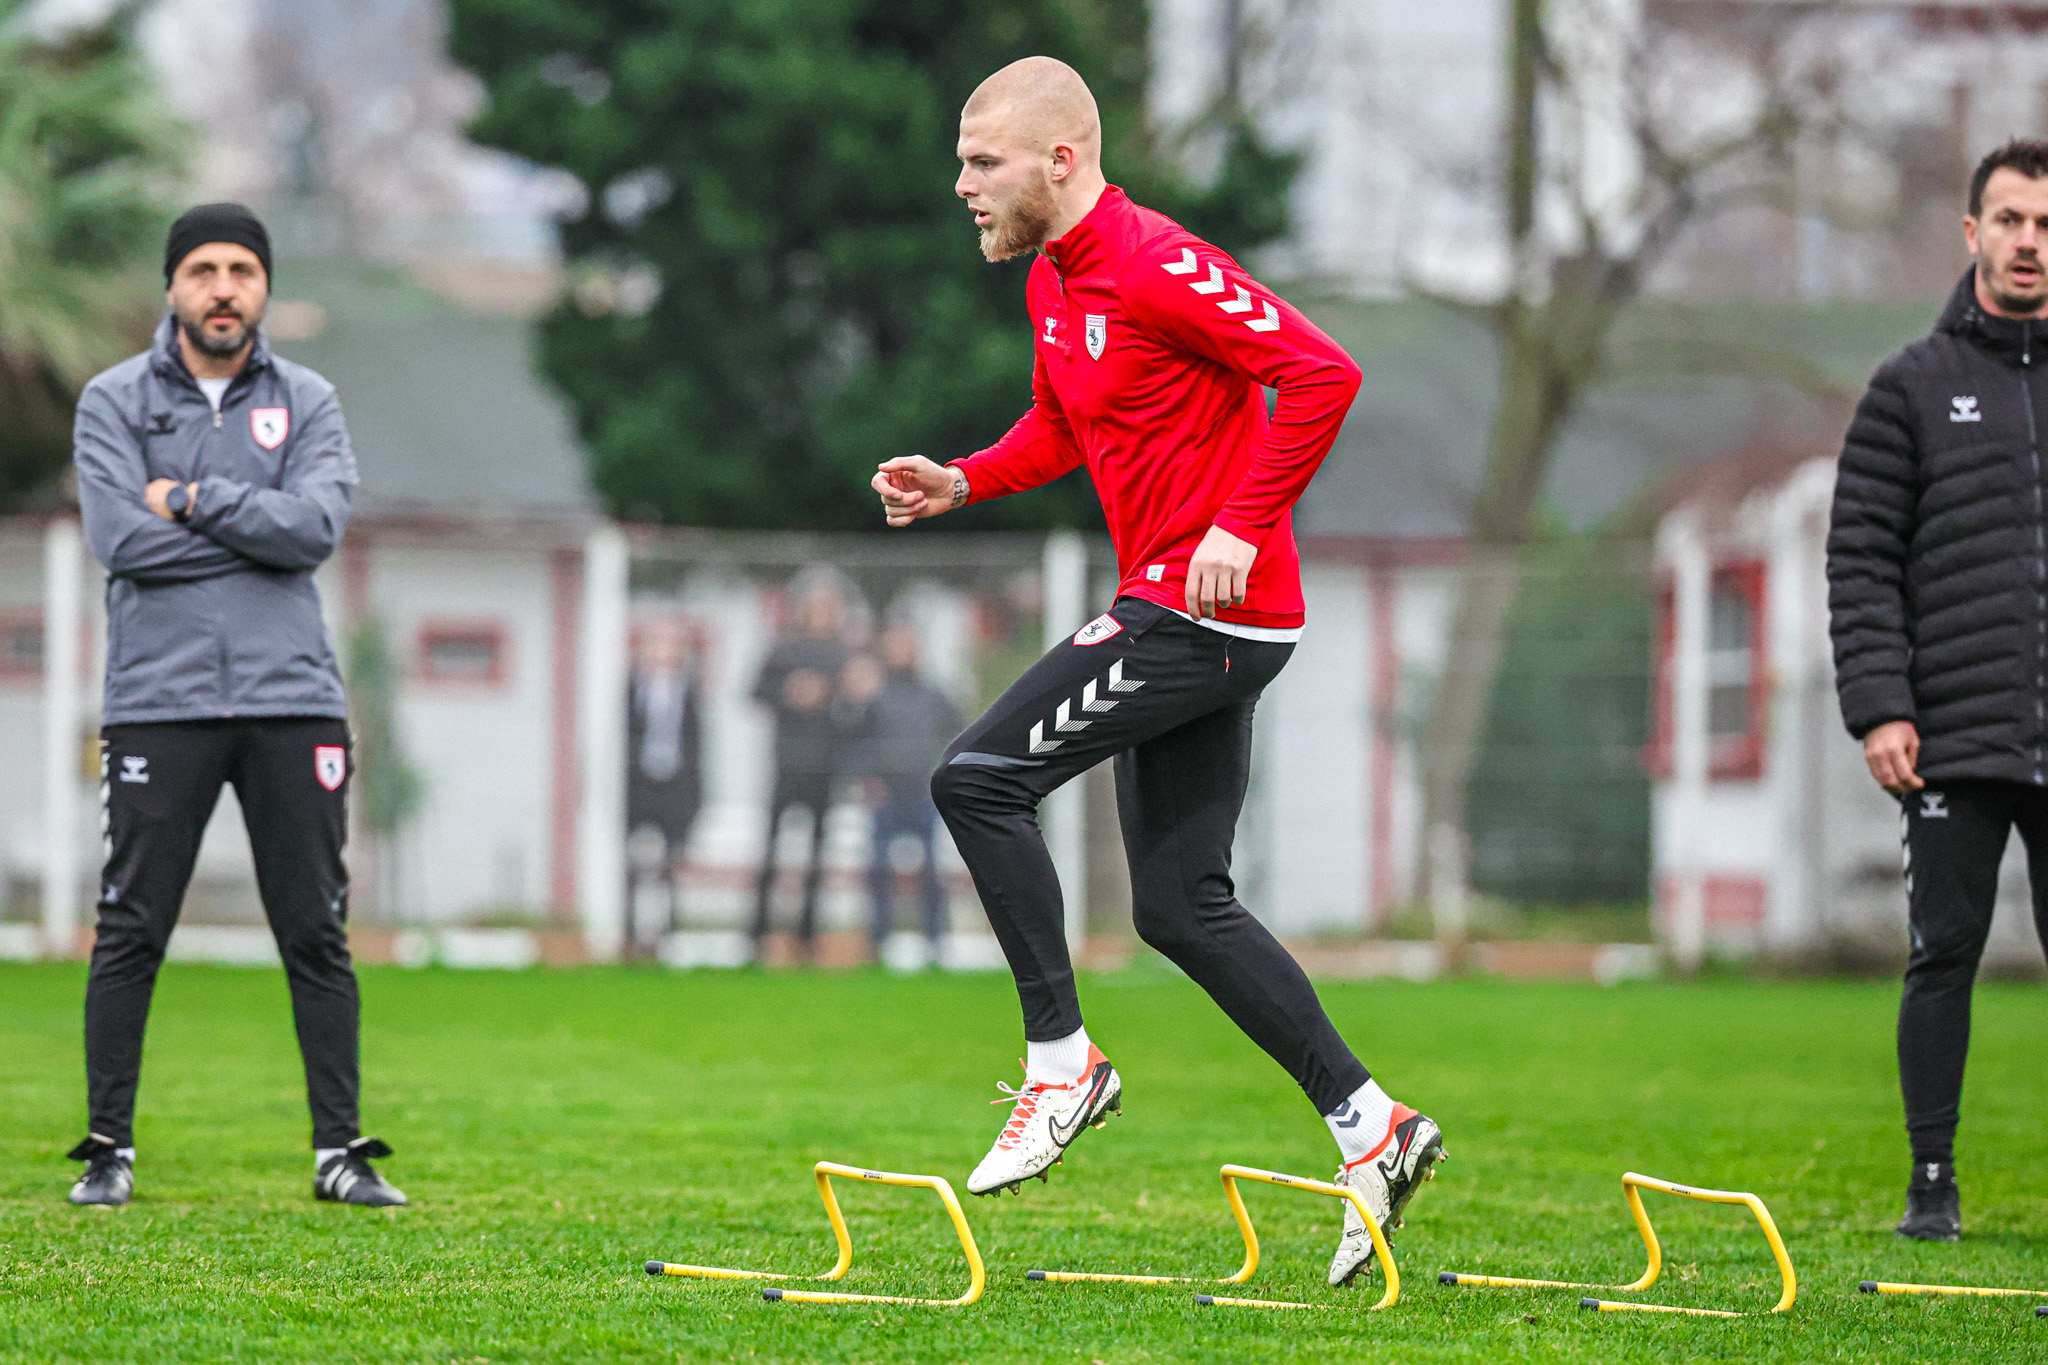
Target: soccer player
1153	351
213	478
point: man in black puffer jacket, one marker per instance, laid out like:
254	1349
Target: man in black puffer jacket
1938	597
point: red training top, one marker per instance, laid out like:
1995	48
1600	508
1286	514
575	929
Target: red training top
1152	347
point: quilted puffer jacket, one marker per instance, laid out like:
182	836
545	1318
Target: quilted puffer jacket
1938	549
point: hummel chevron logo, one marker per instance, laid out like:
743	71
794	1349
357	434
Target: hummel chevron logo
1214	284
1063	722
1241	304
1088	702
1184	266
1269	323
1346	1116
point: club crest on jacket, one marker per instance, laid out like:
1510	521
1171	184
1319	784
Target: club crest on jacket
270	426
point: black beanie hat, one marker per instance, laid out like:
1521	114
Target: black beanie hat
215	223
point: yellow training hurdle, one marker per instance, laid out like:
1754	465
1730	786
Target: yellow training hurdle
824	1171
1231	1175
1632	1186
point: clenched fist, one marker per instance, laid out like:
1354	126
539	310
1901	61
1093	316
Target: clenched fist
912	487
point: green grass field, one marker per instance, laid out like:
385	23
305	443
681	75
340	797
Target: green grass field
557	1129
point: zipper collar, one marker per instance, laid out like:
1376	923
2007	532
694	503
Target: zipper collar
169	361
2009	339
1090	244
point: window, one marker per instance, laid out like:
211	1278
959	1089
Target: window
1737	676
1730	662
471	653
21	643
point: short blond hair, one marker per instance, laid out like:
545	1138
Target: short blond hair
1042	102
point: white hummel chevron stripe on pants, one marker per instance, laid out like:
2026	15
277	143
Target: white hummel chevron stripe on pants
1171	703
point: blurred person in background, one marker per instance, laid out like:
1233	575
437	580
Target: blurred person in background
213	479
799	683
664	772
1938	602
904	727
1152	355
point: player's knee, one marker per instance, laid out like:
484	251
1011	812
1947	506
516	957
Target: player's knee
1164	922
128	945
945	787
967	788
315	947
1945	959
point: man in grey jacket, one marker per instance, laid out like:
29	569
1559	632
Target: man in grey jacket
213	478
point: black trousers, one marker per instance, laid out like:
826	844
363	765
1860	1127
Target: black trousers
1955	837
159	784
1171	702
813	791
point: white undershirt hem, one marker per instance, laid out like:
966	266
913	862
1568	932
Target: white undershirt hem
1279	635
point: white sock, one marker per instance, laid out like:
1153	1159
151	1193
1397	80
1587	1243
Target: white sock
322	1155
126	1154
1056	1063
1360	1124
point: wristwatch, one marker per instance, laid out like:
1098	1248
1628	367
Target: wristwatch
179	500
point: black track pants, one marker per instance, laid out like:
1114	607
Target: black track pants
1172	703
812	791
159	784
1955	837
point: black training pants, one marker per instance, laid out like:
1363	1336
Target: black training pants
1172	703
159	784
812	791
1955	837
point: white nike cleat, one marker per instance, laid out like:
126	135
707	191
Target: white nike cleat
1044	1119
1386	1178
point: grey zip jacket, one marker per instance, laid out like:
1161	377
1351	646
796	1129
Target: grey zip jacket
217	617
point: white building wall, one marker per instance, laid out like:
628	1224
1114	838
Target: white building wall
1315	753
482	839
1814	829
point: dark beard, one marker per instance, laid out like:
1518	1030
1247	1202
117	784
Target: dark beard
2021	305
1023	227
195	332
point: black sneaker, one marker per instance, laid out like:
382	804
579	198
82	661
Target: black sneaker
1934	1207
109	1177
348	1178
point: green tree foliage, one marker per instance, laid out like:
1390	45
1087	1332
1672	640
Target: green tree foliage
1558	803
774	288
86	155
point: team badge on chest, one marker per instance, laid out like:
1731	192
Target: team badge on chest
1097	334
330	765
270	426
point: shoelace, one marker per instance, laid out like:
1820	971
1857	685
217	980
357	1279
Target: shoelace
1026	1100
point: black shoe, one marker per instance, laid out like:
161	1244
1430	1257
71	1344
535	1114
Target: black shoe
1934	1207
348	1178
109	1177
